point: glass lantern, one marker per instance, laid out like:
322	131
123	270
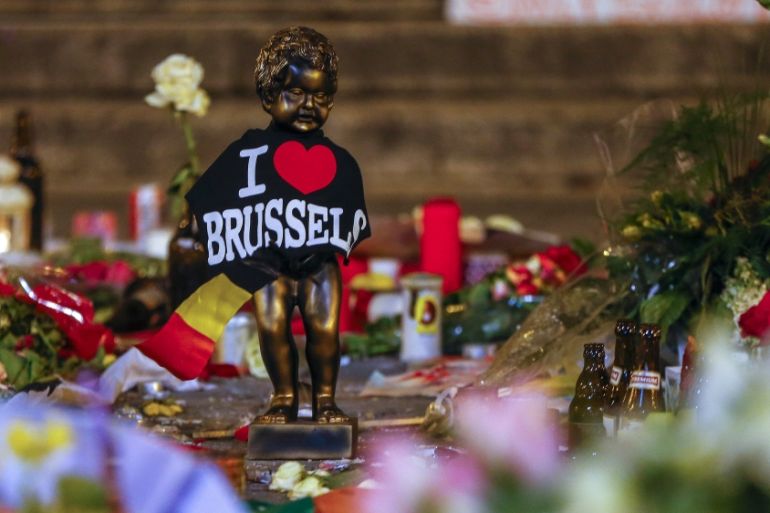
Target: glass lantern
15	208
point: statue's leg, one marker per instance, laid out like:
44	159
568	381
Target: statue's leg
273	307
319	302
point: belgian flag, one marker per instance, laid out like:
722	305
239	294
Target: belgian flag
186	342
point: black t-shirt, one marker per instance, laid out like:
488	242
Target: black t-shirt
278	202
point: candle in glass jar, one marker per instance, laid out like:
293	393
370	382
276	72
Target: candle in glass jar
15	205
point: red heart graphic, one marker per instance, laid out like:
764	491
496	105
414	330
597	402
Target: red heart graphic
305	170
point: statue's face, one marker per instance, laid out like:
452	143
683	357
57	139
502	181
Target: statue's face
305	100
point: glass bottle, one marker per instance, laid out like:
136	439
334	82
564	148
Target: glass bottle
620	373
187	261
643	395
31	175
586	411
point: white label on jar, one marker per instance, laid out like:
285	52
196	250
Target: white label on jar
610	424
615	375
645	380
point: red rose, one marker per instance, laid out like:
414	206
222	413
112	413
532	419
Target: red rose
518	273
7	290
755	321
120	273
526	289
24	342
564	256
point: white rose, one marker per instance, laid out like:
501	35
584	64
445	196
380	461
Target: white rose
178	69
198	104
176	82
308	487
287	476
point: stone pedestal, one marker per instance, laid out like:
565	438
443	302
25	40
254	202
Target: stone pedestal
302	440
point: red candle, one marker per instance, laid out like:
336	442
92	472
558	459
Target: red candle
440	247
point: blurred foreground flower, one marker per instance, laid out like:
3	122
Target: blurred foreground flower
516	433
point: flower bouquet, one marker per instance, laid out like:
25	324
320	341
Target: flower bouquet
47	332
694	237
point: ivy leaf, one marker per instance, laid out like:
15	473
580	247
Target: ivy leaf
664	309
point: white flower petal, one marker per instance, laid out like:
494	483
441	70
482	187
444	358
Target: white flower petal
156	100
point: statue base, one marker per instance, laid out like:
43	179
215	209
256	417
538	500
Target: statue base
302	440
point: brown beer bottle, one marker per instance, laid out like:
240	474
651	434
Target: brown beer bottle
643	395
586	411
620	373
22	149
187	265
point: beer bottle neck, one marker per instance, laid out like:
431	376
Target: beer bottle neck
22	141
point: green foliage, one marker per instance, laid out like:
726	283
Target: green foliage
32	346
381	337
84	250
705	202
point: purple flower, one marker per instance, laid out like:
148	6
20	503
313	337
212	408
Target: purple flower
410	480
516	432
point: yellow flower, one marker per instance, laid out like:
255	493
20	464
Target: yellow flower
109	359
3	373
656	197
631	232
33	444
764	139
692	220
287	476
156	409
308	487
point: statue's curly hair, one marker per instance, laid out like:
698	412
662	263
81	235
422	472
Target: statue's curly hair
289	44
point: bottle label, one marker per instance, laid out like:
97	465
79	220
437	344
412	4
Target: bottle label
615	375
645	380
610	424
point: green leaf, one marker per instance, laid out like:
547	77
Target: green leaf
15	366
301	506
80	495
665	308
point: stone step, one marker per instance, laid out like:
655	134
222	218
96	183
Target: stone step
283	12
494	156
429	61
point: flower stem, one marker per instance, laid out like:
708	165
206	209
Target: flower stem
189	140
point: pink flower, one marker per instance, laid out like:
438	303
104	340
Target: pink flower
517	432
411	482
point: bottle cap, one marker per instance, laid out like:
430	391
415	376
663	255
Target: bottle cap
625	327
649	331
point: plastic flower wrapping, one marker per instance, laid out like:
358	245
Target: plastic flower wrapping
48	333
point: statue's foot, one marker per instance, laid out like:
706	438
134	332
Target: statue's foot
279	412
327	412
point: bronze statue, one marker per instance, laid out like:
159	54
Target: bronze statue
296	79
276	208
